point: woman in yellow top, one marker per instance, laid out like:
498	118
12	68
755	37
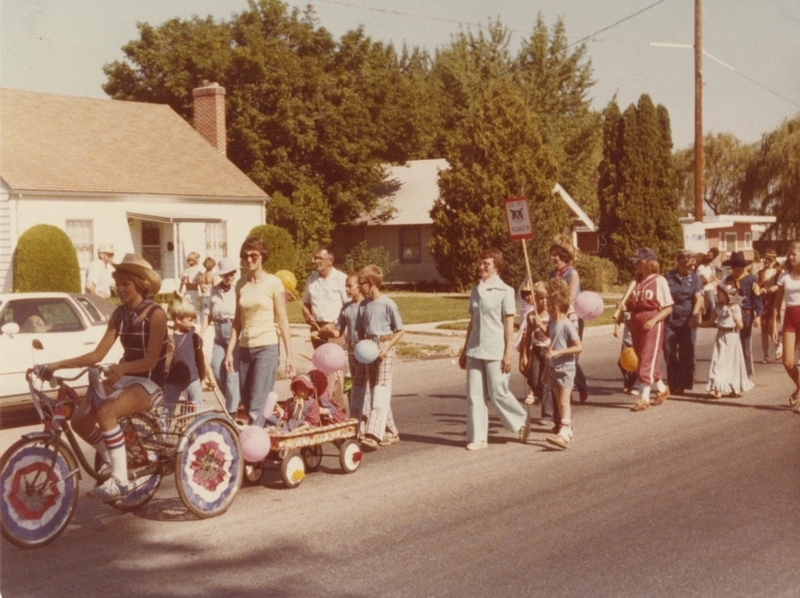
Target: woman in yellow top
260	316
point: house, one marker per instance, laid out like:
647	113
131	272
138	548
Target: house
407	234
129	173
726	232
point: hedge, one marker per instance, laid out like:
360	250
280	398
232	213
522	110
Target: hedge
45	260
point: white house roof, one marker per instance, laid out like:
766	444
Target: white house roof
725	221
52	143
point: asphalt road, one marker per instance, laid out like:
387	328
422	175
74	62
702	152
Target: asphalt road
692	498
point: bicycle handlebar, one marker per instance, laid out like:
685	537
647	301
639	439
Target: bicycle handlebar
44	373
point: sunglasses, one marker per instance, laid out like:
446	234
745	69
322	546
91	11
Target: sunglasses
250	257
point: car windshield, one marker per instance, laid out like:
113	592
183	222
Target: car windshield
41	315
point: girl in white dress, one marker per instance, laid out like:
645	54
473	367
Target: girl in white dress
727	375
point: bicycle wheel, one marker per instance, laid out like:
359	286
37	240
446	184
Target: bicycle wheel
138	428
39	484
210	469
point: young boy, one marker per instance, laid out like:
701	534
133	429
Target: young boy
187	364
533	350
565	345
378	320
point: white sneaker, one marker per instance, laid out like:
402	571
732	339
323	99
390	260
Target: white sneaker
111	490
476	446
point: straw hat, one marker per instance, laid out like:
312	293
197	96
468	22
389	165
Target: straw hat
139	267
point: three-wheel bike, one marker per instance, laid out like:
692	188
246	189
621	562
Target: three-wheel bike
40	473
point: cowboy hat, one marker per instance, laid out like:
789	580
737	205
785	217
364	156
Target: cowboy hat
140	268
737	260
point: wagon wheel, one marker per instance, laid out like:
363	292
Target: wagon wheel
312	456
252	473
350	455
293	469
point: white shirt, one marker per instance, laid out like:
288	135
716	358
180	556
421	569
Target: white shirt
791	289
707	272
326	295
99	273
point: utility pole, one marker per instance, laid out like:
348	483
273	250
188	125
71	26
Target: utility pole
699	162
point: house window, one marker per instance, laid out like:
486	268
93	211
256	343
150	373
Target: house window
217	240
81	233
410	244
730	242
151	244
748	240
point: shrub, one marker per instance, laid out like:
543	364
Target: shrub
45	260
282	253
597	273
361	256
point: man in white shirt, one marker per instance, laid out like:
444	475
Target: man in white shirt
323	299
325	293
707	273
98	276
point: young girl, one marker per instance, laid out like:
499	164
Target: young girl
727	374
789	288
525	306
565	345
533	351
650	303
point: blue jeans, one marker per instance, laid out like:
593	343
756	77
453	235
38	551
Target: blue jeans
192	391
227	381
257	369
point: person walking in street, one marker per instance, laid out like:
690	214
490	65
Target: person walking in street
99	276
488	354
789	291
650	303
219	313
768	284
746	285
687	294
323	299
260	318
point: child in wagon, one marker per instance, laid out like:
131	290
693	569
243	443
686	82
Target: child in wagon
310	405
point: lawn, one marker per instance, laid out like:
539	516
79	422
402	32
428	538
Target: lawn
416	308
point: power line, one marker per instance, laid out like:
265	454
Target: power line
617	23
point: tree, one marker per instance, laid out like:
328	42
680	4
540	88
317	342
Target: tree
726	160
772	182
636	184
45	260
555	83
497	153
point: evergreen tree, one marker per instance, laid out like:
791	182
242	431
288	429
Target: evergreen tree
497	153
636	188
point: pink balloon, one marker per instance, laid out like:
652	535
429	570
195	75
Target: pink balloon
255	443
589	305
329	358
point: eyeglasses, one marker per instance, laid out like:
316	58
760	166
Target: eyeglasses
321	258
251	257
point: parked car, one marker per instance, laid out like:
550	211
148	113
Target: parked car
66	325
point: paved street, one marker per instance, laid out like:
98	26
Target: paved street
693	498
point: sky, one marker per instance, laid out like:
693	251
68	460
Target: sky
751	84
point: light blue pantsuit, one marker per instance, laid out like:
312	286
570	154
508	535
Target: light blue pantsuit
487	382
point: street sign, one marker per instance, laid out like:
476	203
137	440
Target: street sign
518	219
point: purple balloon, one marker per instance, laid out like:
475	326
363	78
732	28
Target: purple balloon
589	305
329	358
255	443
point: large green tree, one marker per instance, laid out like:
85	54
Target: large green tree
772	182
496	153
726	160
555	82
636	187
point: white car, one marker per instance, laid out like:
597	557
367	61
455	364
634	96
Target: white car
66	325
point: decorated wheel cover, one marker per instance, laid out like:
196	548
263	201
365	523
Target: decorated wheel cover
208	464
36	498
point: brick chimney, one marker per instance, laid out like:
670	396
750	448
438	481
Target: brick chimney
209	114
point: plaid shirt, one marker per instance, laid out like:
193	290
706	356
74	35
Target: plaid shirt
133	331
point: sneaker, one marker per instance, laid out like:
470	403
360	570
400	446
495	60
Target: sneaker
111	490
779	352
370	442
641	405
389	439
476	446
661	397
561	440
